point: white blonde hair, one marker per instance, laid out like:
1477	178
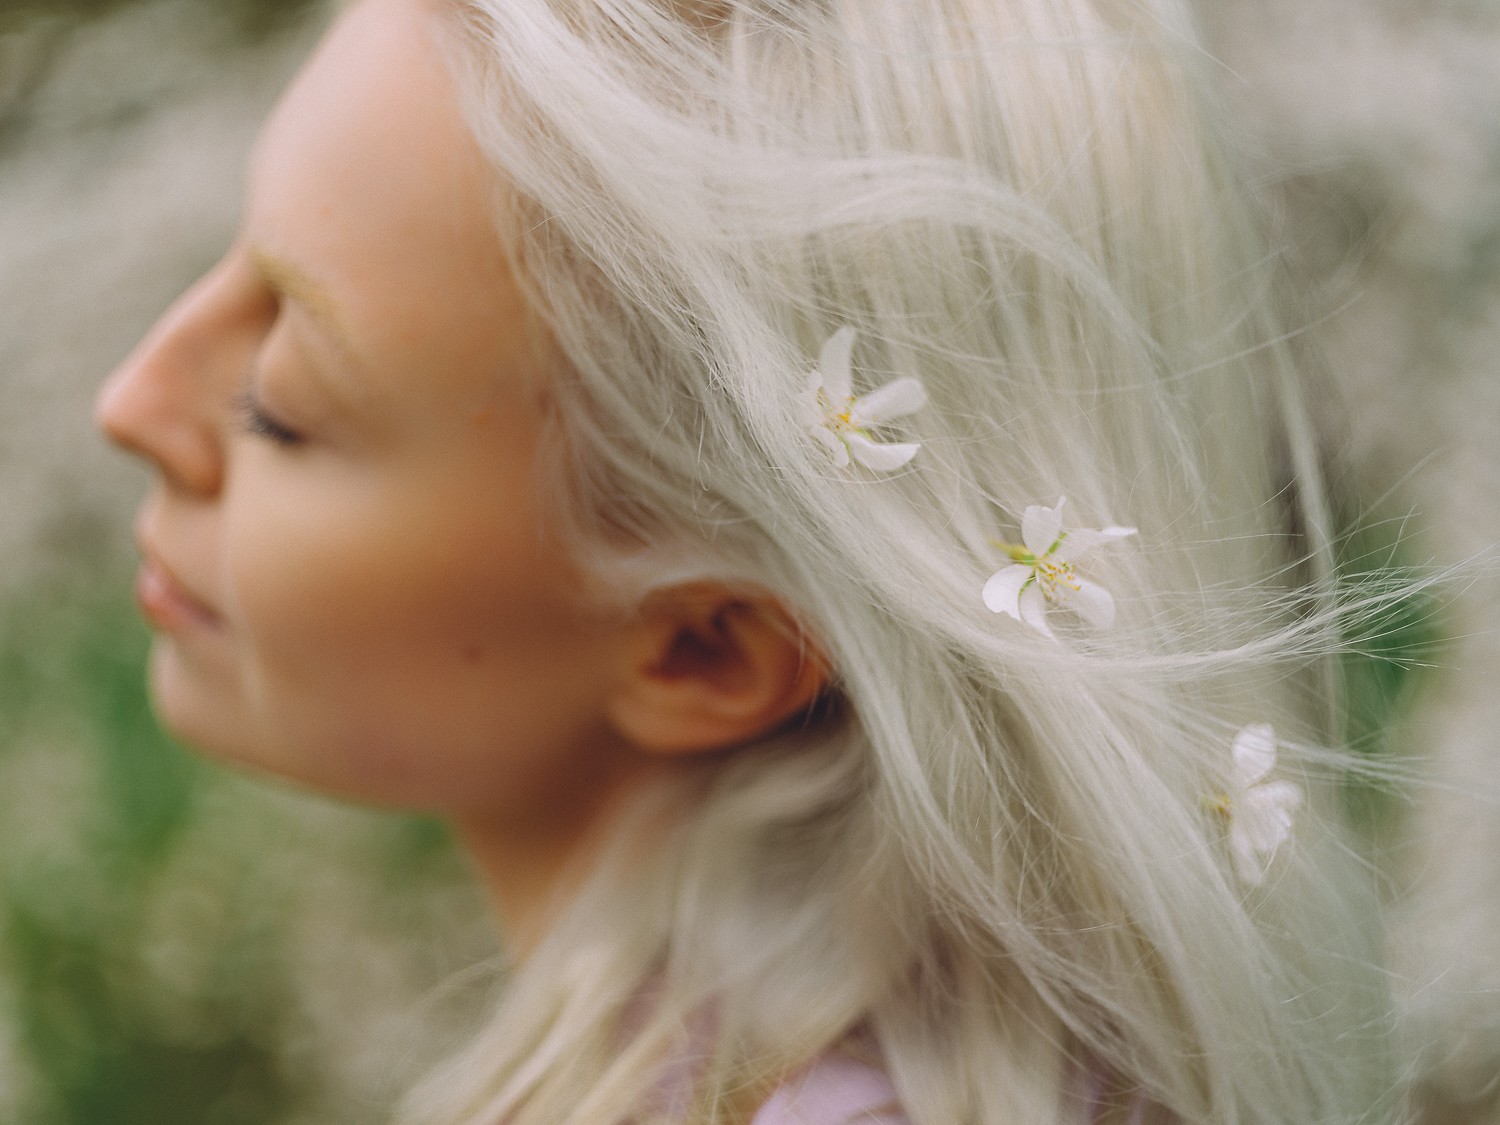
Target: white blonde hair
986	858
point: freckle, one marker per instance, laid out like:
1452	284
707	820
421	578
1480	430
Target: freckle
473	653
484	417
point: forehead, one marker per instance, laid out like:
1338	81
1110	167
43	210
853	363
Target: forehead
372	117
367	179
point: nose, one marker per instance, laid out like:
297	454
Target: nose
167	402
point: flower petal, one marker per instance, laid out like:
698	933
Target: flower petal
1040	527
833	365
1082	540
904	396
1033	606
1002	593
1249	864
1093	603
879	456
1254	753
833	443
1263	814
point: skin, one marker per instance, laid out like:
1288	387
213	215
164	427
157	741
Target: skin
345	556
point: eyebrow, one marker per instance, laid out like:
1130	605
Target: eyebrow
292	282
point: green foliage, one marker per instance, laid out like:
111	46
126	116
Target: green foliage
254	18
83	655
99	1057
72	684
1381	675
160	919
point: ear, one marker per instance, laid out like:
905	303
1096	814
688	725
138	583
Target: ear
710	667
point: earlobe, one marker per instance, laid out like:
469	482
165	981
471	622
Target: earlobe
710	668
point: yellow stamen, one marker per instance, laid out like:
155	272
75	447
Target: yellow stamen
1051	575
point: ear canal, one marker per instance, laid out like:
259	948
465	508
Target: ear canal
714	669
706	648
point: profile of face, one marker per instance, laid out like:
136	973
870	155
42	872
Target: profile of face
346	559
346	552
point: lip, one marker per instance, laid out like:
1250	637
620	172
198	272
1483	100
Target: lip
165	602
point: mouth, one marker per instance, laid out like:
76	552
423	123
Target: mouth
165	603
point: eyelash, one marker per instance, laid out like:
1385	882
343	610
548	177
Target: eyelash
255	420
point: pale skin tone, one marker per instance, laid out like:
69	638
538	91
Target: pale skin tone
346	556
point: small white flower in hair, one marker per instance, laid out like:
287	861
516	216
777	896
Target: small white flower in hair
1258	812
841	423
1042	574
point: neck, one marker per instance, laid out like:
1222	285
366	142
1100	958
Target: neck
523	883
531	870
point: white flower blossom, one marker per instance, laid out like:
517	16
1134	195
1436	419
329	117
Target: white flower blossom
1258	812
841	423
1042	574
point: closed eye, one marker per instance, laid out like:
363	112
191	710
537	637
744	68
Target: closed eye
253	419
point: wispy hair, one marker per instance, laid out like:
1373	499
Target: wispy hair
986	856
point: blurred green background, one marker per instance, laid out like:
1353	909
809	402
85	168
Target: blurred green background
179	944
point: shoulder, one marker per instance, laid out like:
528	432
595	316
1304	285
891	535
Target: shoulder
834	1090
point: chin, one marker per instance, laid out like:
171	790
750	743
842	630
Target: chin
210	716
197	708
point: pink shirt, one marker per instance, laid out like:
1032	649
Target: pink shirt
834	1090
839	1090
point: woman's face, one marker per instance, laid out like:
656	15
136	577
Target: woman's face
345	559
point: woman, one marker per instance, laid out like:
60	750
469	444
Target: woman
633	430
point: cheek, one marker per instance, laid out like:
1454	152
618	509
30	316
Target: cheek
415	646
